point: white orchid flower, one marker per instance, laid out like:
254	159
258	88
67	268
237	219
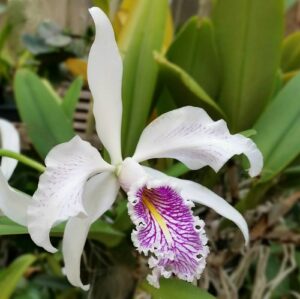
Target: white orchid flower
13	204
9	140
79	186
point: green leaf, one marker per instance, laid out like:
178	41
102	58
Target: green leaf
248	37
176	289
71	97
182	87
100	231
142	35
4	34
105	233
8	227
290	58
103	4
194	50
59	40
40	110
278	130
177	169
36	45
11	276
248	133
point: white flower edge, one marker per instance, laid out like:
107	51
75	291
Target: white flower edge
9	140
13	204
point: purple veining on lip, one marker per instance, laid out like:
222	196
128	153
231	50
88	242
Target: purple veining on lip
185	255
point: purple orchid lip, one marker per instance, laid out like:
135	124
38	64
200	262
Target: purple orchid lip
167	229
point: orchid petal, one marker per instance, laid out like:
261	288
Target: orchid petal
60	189
105	81
202	195
13	203
9	140
99	194
189	135
166	227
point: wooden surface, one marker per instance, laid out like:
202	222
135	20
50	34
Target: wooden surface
70	14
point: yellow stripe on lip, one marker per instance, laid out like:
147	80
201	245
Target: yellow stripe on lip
159	219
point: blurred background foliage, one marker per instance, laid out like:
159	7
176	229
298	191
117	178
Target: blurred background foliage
238	59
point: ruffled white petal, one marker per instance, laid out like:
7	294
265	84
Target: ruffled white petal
189	135
60	189
13	203
204	196
100	193
105	81
9	140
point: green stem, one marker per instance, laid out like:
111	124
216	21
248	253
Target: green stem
23	159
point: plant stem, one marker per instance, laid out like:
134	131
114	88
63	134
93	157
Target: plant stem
23	159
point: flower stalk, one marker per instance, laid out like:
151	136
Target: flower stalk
23	159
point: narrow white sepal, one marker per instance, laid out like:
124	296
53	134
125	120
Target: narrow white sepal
105	81
99	195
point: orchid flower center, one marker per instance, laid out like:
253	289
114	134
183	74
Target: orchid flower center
146	199
129	173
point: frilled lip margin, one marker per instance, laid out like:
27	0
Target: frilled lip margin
167	231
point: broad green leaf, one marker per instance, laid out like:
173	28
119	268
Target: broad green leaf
177	169
288	76
143	34
71	97
122	221
279	82
290	57
100	231
125	12
11	276
103	4
248	133
182	86
278	130
105	233
43	116
4	34
176	289
248	37
194	50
